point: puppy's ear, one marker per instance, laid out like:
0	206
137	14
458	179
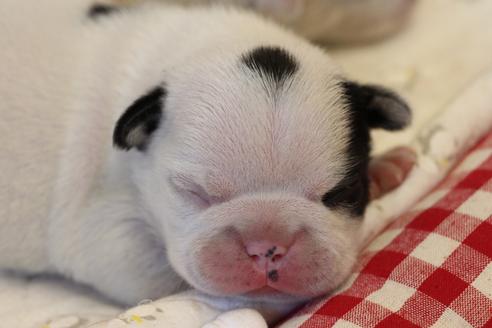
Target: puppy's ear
382	107
135	127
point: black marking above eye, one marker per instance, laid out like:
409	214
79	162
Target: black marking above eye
352	192
272	62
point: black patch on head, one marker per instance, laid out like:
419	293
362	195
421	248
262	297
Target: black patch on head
369	107
273	275
98	10
352	192
272	62
140	120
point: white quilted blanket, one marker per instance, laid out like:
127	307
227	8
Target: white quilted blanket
445	51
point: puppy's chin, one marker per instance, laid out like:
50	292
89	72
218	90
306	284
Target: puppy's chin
295	288
267	294
264	294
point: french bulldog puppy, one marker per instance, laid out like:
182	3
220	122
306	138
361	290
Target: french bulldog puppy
155	149
327	21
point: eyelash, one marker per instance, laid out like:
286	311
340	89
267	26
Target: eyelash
191	192
350	195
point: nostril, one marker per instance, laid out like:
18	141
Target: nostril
277	257
255	258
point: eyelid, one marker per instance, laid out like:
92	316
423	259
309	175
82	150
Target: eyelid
335	196
182	182
185	185
316	191
188	187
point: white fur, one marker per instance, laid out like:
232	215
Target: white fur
72	203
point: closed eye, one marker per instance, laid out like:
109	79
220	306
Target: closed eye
191	192
350	194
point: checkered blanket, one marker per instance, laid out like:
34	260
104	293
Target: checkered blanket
431	268
443	57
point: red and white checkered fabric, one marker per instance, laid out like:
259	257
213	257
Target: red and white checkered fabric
432	267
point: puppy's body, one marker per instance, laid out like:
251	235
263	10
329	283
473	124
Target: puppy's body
58	119
328	21
160	145
36	107
57	116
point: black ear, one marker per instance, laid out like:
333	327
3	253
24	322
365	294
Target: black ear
383	108
135	127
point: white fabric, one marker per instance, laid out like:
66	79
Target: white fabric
445	55
439	145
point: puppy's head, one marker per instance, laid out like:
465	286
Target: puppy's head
254	169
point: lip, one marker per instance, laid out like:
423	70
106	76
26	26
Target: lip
271	295
265	291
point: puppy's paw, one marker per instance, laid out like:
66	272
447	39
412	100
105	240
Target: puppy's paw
388	171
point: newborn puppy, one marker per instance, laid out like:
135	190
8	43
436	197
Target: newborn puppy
152	149
328	21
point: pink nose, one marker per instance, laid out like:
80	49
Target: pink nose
265	253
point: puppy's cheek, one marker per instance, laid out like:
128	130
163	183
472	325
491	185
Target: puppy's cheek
224	269
315	270
211	263
183	254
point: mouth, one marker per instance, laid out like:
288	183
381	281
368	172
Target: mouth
272	295
264	291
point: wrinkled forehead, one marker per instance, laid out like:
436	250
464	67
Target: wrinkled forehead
269	119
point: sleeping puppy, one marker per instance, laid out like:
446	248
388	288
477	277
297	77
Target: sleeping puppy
326	21
150	150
